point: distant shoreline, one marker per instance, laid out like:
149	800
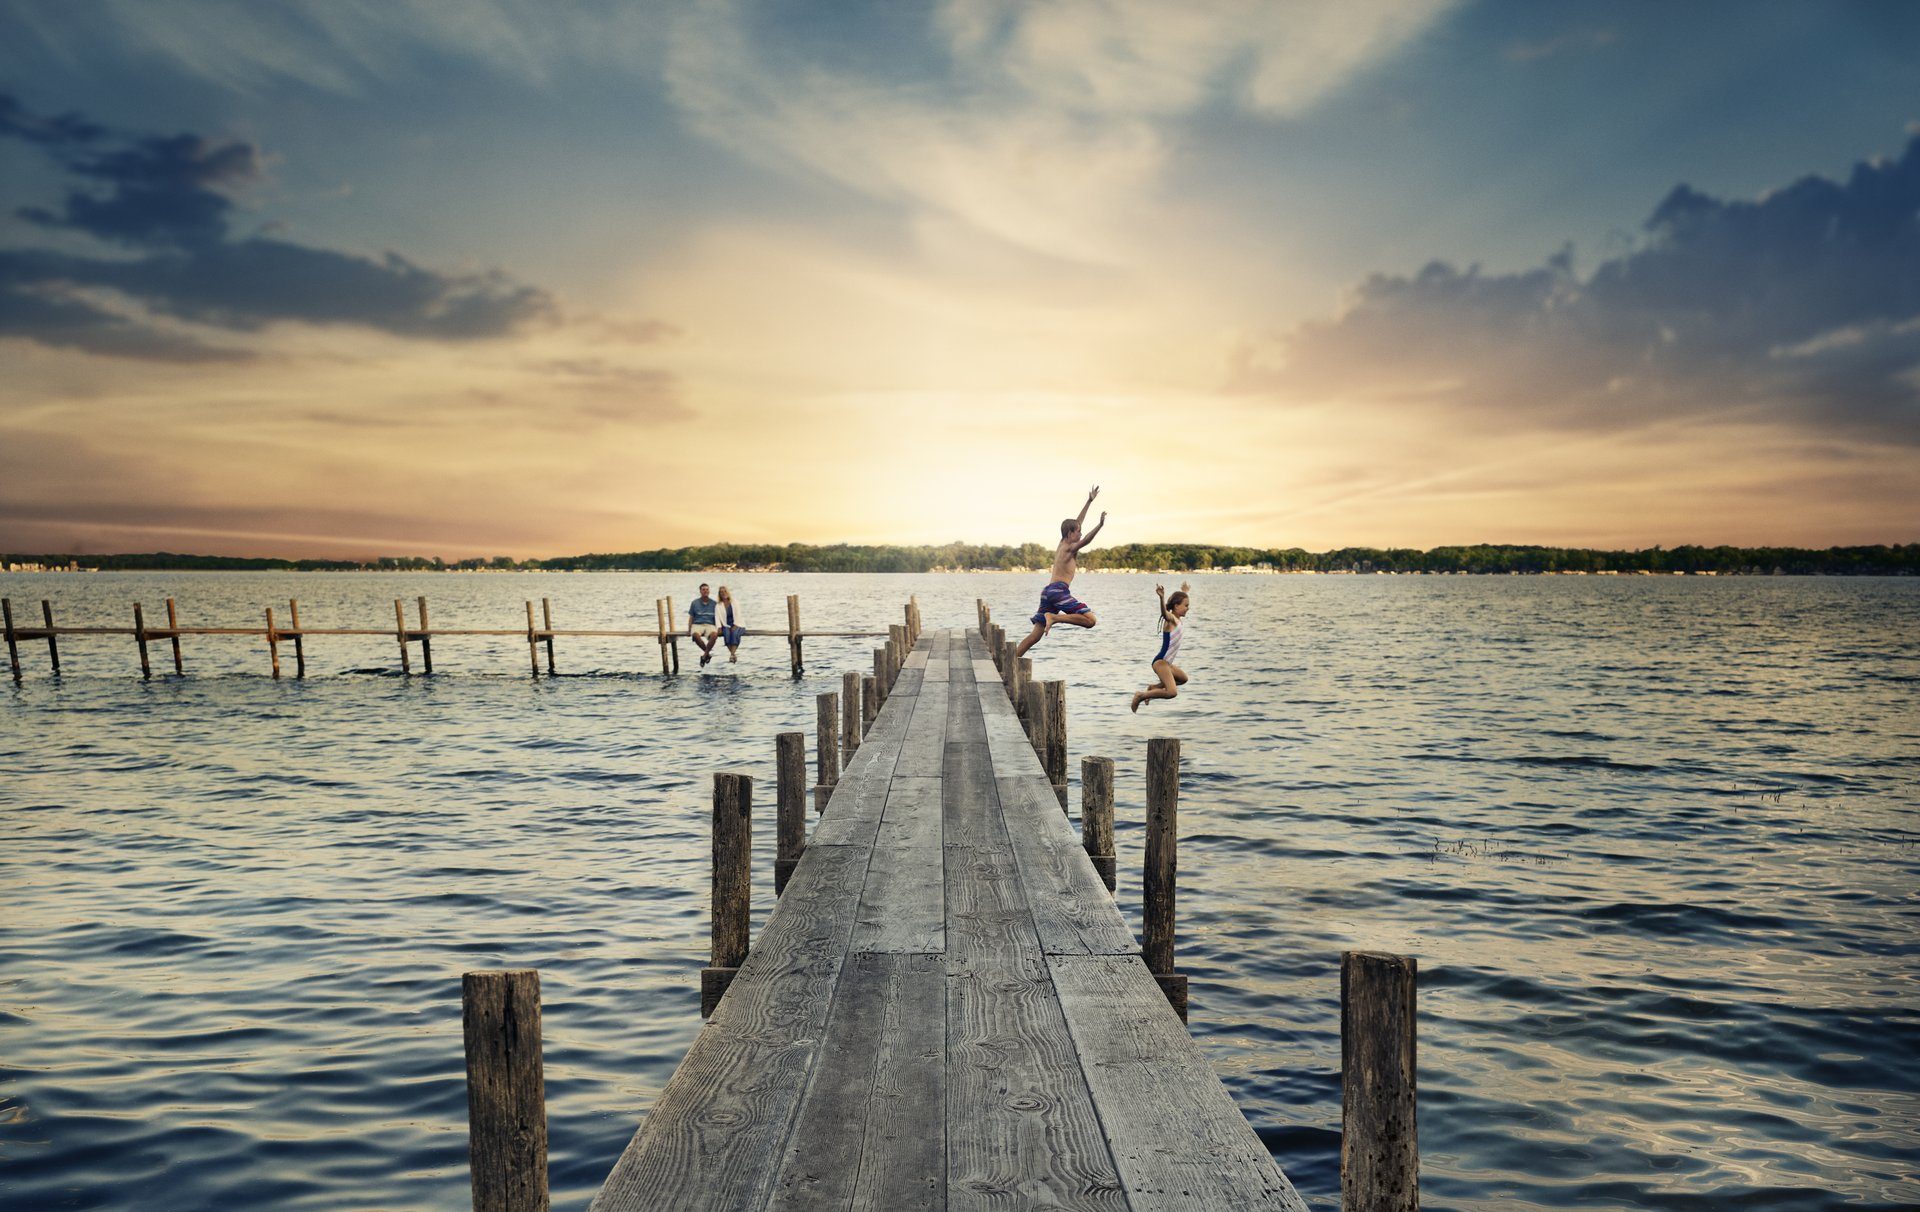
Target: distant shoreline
1165	559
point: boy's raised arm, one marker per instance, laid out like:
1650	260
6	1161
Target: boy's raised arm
1082	523
1086	540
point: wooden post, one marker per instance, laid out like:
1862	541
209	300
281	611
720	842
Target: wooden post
793	631
1022	682
878	697
907	631
673	633
1379	1137
506	1091
53	641
1096	815
913	604
869	701
1162	867
299	640
827	738
1035	715
546	619
790	805
1009	668
533	645
1053	753
140	638
400	633
732	884
426	638
849	717
13	647
273	644
173	625
660	609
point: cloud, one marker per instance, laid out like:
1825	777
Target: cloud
1802	305
1560	44
1046	127
167	200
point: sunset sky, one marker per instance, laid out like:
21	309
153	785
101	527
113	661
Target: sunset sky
531	279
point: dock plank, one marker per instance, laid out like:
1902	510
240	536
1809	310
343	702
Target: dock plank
1178	1139
903	906
872	1132
1072	910
923	750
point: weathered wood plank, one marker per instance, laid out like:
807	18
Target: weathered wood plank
903	904
872	1133
716	1137
923	751
1021	1127
987	917
1072	913
1175	1133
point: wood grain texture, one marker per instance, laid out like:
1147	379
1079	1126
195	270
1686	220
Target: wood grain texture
1021	1127
1174	1131
732	868
790	805
717	1135
871	1134
924	749
903	905
506	1092
987	916
1379	1136
851	723
1159	874
1072	913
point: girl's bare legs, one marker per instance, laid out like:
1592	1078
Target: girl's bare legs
1171	678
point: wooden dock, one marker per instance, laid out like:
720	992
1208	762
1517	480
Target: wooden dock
945	1009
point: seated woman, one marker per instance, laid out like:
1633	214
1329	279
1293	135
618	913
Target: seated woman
732	630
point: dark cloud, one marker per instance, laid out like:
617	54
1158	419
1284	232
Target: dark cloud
168	200
1804	303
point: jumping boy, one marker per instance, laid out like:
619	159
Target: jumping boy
1057	603
1173	625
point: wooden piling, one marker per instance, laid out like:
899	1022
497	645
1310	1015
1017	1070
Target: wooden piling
1009	668
673	633
546	619
732	884
908	633
1053	748
273	644
53	641
1022	680
140	638
299	639
1034	716
879	684
400	634
173	626
1096	815
532	642
660	609
1158	879
13	647
1379	1137
827	734
790	805
426	638
793	632
849	717
869	702
506	1091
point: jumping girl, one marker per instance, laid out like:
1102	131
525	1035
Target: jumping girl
1173	625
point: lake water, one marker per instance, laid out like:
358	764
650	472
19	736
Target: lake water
1654	842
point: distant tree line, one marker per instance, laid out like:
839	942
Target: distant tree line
1897	560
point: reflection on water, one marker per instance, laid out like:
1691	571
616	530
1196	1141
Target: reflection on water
1654	843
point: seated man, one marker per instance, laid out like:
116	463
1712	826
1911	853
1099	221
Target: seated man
701	627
